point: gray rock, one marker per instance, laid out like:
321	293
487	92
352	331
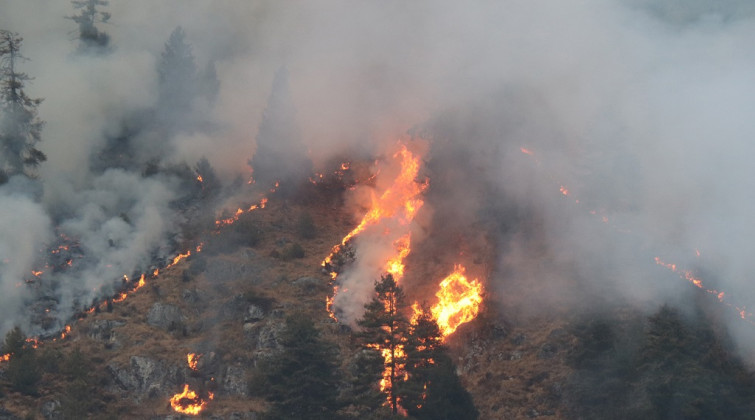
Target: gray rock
234	381
517	355
310	284
51	410
165	316
253	314
147	378
269	336
102	329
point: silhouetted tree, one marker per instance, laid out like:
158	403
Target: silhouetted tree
301	382
23	370
432	389
385	327
280	155
91	39
208	180
20	128
366	372
177	74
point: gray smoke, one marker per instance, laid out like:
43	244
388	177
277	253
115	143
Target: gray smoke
640	109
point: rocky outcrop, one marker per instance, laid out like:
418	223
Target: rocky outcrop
145	377
102	330
165	316
234	381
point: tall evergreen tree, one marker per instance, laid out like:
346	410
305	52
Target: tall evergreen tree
20	127
91	39
177	77
23	370
301	381
280	155
432	389
385	327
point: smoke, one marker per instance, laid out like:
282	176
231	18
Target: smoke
639	109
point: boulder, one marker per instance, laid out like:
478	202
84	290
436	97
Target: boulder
51	410
234	381
165	316
253	314
145	377
102	330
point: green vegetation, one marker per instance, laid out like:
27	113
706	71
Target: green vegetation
301	381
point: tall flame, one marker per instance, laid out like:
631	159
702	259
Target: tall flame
458	301
193	360
399	202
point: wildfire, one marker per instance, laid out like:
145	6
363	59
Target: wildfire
395	265
193	360
401	201
402	195
458	301
230	220
189	402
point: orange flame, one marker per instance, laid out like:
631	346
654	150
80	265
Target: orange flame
458	301
403	194
199	178
193	360
189	402
230	220
401	201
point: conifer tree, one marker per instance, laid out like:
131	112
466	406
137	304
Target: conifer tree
23	369
177	77
385	327
20	128
91	39
432	389
302	381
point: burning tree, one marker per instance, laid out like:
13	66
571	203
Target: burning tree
385	328
91	38
20	128
23	365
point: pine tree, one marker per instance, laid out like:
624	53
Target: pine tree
206	177
20	128
177	77
91	39
385	327
302	381
280	156
23	370
432	389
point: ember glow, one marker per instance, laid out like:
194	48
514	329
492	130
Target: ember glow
193	360
230	220
458	301
698	282
189	402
